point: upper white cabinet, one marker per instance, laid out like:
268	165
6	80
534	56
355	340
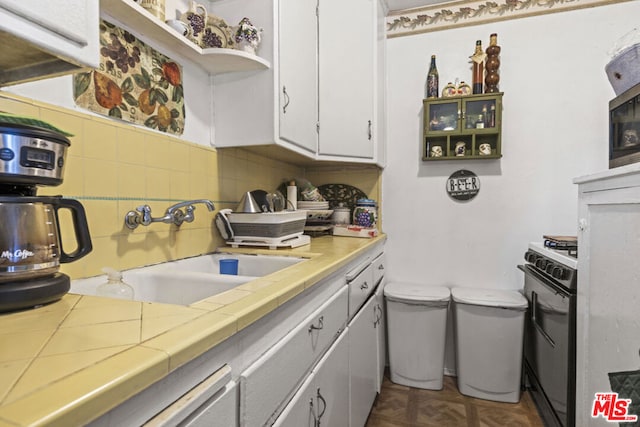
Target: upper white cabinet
347	68
46	39
320	98
214	60
298	109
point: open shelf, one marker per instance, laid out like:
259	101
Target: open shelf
213	60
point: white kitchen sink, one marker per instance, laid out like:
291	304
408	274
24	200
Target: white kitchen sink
186	281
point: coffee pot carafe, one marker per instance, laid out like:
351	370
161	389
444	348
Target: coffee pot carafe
30	240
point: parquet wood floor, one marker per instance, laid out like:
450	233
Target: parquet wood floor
401	406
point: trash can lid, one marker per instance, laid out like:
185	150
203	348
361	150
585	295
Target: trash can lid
417	293
490	298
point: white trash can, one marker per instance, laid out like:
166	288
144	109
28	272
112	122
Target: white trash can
489	331
416	331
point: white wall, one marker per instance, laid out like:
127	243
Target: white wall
555	127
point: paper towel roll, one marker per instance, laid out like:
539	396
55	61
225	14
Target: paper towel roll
292	197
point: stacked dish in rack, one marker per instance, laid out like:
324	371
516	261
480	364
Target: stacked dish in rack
318	216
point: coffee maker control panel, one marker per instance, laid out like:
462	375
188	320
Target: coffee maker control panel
37	158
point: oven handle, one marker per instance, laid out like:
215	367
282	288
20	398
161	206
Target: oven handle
534	320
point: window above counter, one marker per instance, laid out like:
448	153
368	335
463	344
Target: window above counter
213	60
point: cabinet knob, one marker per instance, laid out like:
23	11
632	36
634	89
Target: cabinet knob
365	285
582	224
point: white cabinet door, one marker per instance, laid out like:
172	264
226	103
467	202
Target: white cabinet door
323	398
298	89
51	38
363	359
346	77
381	333
332	383
607	341
301	411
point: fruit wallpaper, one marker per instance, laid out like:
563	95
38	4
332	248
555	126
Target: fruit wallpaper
134	83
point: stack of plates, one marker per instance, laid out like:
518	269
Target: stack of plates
318	216
312	205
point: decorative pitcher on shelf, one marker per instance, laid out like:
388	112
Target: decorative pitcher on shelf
207	31
196	19
247	36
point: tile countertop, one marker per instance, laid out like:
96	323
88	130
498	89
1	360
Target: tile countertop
68	362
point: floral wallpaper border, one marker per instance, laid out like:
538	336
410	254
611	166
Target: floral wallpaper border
465	13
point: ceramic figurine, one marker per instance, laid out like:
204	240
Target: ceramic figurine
449	90
464	89
485	149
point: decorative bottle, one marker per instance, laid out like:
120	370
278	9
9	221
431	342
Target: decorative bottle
492	66
432	79
478	58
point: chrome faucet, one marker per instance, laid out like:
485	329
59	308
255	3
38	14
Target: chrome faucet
173	215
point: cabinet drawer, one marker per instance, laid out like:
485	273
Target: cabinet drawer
378	265
213	400
359	289
268	382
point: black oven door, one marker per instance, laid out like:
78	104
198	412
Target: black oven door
549	347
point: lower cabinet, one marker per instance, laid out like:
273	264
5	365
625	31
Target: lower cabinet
363	362
212	402
380	326
323	398
270	381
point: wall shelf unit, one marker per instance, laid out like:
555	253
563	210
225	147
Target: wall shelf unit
214	60
462	128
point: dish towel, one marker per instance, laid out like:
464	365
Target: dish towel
13	119
627	385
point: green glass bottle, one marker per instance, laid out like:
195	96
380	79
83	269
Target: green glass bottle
432	79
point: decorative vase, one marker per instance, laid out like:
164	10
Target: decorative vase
492	65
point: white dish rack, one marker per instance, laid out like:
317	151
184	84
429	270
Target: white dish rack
271	229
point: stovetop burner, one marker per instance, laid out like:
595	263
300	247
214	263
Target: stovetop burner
565	244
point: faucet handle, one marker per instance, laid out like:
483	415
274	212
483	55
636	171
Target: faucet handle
178	217
189	217
142	215
145	211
